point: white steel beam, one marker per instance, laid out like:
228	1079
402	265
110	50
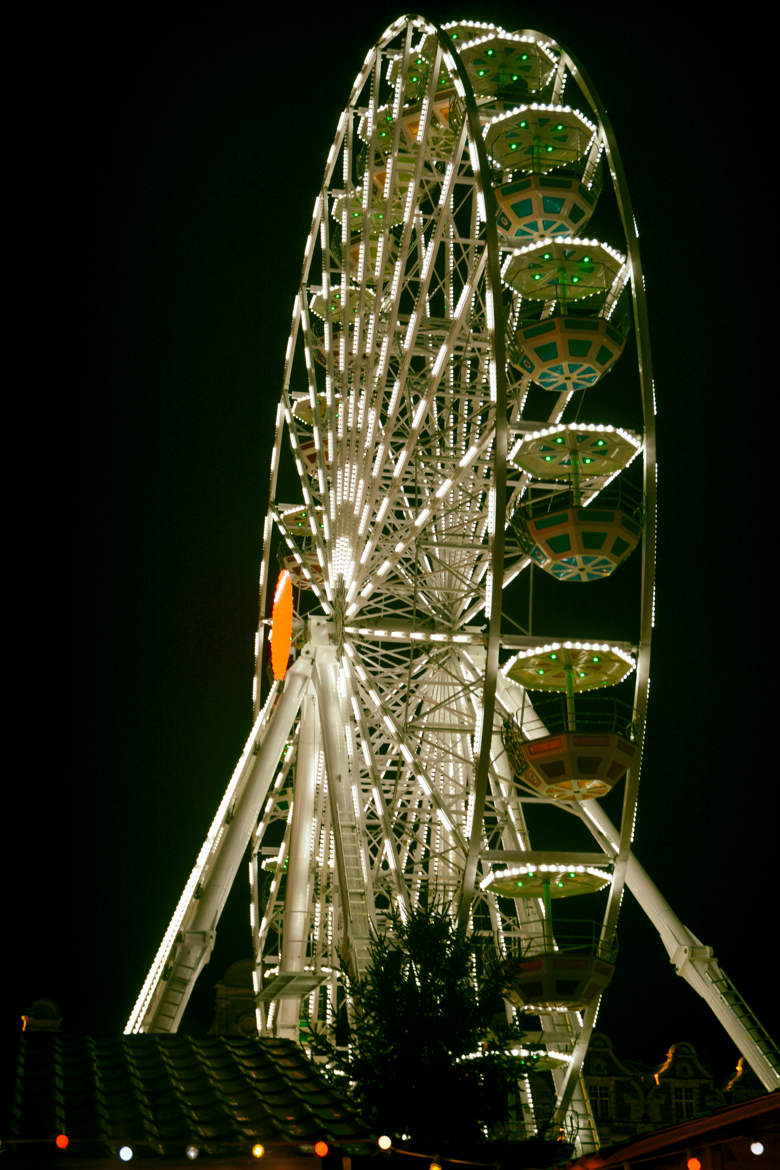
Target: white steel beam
697	964
298	898
352	873
166	995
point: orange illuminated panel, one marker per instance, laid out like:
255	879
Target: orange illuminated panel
281	625
549	744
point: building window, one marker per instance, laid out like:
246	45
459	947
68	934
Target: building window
600	1102
683	1102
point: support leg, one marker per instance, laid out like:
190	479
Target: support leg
188	943
696	962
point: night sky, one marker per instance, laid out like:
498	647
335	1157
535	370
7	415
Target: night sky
190	158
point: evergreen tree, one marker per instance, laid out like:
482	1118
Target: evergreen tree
416	1022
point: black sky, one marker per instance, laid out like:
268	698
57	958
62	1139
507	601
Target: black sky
188	161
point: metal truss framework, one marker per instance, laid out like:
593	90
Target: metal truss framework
375	775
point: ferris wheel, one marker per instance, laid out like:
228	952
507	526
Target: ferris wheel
463	460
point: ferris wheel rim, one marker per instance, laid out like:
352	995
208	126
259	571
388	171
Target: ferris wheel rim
481	650
494	638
